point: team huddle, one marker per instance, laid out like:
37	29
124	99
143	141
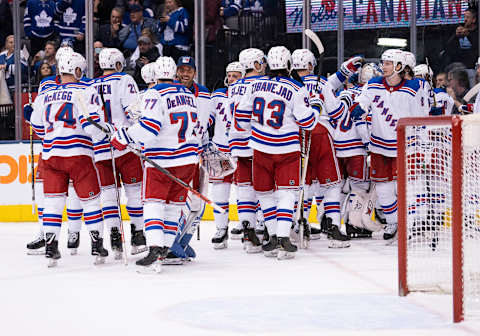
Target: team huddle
283	136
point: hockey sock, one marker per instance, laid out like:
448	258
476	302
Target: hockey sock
92	214
173	213
388	200
220	193
285	204
154	223
134	204
110	207
246	204
39	199
331	202
259	213
307	200
52	214
74	210
269	208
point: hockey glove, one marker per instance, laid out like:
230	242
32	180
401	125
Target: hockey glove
120	139
316	101
346	97
356	112
466	109
435	111
349	67
27	112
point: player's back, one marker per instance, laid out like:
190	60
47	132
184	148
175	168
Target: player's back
56	115
444	100
222	118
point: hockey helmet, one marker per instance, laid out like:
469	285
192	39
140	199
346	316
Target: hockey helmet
109	58
148	73
62	51
248	57
166	68
410	59
397	57
368	71
301	58
68	64
279	58
234	67
422	70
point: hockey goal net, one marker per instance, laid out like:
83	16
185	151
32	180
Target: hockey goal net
439	209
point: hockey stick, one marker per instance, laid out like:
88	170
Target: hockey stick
472	92
163	170
321	51
302	221
430	81
32	156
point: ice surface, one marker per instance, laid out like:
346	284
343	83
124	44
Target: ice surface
223	292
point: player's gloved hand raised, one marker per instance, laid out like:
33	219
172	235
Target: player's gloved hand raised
120	139
434	111
316	101
466	109
349	67
356	112
27	112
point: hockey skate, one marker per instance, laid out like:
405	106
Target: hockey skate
315	233
73	242
138	241
390	231
355	232
220	240
380	216
51	249
237	232
37	246
98	250
304	229
116	243
287	249
251	243
152	263
173	259
260	231
336	239
270	249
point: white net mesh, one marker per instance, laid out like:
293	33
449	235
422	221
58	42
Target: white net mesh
429	207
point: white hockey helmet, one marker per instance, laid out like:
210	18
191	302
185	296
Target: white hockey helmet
234	67
301	58
422	70
68	64
148	73
166	68
368	71
248	57
109	57
62	51
396	56
279	58
83	63
410	59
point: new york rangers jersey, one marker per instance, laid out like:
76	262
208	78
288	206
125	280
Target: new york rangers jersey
444	100
57	117
222	118
204	108
238	138
316	88
38	18
168	126
115	92
387	105
275	109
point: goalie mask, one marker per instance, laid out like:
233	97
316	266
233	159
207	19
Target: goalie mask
217	164
302	58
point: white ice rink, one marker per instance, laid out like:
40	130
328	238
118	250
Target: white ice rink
223	292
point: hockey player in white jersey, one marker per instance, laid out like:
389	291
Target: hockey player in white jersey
388	98
254	62
67	154
442	102
274	109
221	118
167	130
116	92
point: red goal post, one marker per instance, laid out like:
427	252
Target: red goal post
439	209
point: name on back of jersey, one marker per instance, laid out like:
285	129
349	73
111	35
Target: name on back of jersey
180	100
57	96
274	88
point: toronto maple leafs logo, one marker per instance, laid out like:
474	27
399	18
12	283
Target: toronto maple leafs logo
43	20
69	16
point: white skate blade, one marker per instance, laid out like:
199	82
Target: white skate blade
138	249
73	251
221	246
39	251
270	254
99	260
154	268
315	236
284	255
52	263
173	261
253	249
338	244
236	236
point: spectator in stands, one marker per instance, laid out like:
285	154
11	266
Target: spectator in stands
47	56
102	10
463	45
213	22
148	53
45	70
97	71
6	20
175	30
147	12
441	80
230	12
71	22
253	6
136	54
129	34
108	33
38	23
458	86
7	63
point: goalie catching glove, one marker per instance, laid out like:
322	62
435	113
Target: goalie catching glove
216	163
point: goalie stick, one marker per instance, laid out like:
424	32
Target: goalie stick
163	170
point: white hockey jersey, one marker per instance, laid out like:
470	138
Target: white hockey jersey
274	109
204	108
57	117
119	91
222	118
238	138
310	82
387	105
169	126
445	101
